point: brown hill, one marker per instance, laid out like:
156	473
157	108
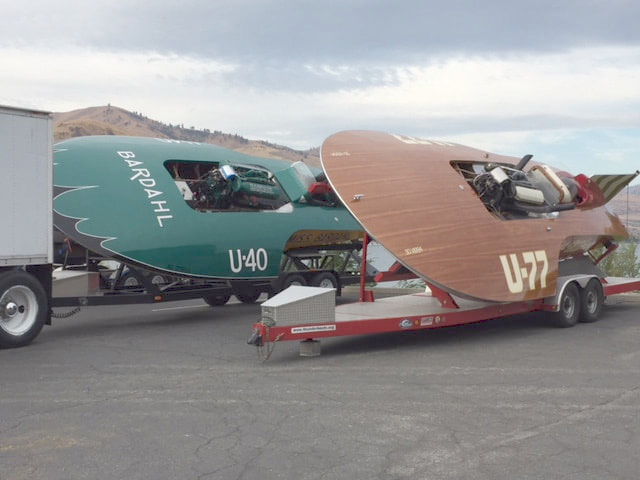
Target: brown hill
108	120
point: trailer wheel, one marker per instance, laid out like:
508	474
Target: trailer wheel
294	279
591	300
324	280
131	280
248	294
23	308
216	299
569	312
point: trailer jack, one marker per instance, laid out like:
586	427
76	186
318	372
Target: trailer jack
262	340
256	339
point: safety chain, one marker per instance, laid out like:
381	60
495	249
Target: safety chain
66	314
266	349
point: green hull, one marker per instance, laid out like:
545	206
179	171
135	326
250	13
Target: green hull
168	206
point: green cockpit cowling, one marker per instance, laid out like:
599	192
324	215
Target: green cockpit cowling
296	180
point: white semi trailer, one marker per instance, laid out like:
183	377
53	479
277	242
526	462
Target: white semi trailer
26	244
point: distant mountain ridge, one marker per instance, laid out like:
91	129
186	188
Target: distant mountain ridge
109	120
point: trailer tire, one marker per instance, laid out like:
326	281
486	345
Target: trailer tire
23	308
131	280
324	280
294	279
248	295
591	300
569	308
216	299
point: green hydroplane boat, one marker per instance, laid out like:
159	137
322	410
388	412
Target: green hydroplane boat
193	209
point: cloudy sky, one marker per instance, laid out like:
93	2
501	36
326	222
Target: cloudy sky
556	78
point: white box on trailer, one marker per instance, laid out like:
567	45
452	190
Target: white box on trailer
297	304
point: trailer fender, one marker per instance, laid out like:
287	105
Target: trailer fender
580	280
591	301
568	308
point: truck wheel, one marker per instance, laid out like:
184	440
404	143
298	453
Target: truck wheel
324	280
248	295
569	312
216	299
591	300
23	308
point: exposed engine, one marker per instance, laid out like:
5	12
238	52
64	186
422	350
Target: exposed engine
224	188
510	192
212	186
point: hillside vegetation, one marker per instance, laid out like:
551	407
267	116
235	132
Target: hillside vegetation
108	120
627	206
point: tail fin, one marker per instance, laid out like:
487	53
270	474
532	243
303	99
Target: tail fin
599	189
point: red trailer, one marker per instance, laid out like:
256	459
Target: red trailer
579	298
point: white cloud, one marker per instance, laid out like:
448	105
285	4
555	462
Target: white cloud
76	78
585	82
500	103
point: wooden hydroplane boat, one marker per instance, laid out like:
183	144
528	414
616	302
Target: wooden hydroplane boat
475	224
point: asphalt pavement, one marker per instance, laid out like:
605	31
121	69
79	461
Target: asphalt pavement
173	391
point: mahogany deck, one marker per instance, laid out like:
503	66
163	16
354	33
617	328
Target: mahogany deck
408	197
